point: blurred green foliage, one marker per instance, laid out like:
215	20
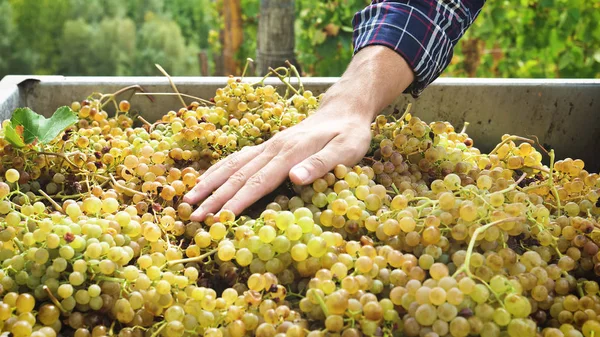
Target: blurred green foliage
325	29
511	38
102	37
532	38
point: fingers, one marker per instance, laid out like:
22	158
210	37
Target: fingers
228	189
318	164
231	156
260	184
219	173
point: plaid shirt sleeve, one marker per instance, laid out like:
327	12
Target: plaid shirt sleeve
424	32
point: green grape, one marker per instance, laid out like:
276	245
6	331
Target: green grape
426	314
466	285
65	290
501	317
226	252
293	232
66	252
267	234
334	323
447	312
281	244
337	303
299	252
316	246
92	205
152	232
82	296
12	175
76	278
25	303
521	327
284	219
517	305
5	189
437	296
94	290
459	327
217	231
590	328
306	224
174	313
21	328
243	257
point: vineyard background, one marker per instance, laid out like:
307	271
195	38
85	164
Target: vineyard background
516	38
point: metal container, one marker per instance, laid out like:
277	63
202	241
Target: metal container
563	114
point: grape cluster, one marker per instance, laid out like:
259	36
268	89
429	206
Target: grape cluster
426	237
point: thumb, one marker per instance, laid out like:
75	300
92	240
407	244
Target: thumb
315	166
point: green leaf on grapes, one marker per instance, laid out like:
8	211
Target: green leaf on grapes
27	127
11	135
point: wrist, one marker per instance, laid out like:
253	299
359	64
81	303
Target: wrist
342	101
376	76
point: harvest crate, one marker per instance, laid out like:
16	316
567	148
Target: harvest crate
563	114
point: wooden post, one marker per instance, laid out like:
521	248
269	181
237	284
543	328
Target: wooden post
276	40
203	60
232	35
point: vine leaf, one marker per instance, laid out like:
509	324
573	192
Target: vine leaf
12	136
27	127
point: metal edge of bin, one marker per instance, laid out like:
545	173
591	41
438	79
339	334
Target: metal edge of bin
9	96
563	113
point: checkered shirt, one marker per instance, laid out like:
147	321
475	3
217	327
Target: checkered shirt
424	32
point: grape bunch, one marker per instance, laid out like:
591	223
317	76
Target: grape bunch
426	237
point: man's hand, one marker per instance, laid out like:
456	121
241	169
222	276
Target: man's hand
306	152
338	133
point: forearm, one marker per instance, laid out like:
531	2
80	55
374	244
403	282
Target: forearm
376	76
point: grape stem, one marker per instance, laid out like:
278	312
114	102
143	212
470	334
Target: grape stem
54	299
514	185
466	266
60	155
290	293
248	61
172	84
580	290
406	111
206	102
157	332
56	205
192	259
539	168
509	139
144	121
282	79
395	189
322	304
110	279
295	71
115	183
551	182
111	97
19	244
464	129
537	142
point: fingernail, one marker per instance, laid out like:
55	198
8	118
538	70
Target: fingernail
197	214
301	173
